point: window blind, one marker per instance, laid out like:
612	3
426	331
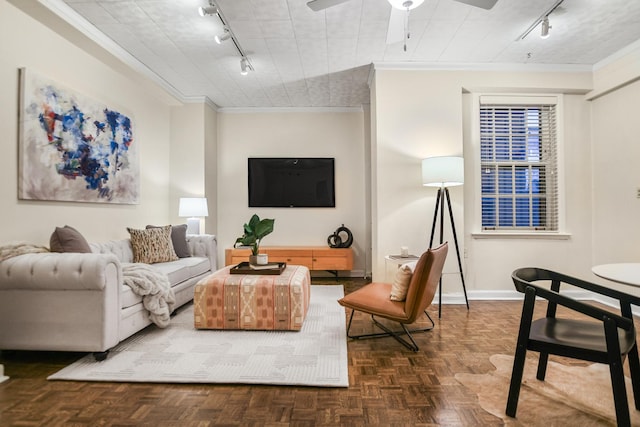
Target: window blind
518	156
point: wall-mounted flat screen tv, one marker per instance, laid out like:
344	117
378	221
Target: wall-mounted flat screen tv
291	182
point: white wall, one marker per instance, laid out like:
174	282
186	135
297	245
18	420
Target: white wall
211	169
187	130
615	153
27	43
426	113
616	176
414	120
298	134
193	159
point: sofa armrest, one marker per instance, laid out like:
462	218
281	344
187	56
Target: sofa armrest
204	245
60	271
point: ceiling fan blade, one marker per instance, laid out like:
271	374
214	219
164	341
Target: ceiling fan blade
484	4
317	5
395	31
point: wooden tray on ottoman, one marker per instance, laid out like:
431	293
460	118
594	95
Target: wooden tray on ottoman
270	268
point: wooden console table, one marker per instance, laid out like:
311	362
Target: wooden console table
312	257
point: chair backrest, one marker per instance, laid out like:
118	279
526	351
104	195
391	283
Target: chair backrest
424	281
523	277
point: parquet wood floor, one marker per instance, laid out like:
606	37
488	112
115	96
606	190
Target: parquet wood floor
389	385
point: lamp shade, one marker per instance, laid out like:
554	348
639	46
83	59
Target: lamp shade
446	171
193	207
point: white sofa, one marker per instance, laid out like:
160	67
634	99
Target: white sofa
78	302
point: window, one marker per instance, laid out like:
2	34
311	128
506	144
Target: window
518	164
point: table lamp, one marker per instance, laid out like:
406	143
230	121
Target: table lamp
193	208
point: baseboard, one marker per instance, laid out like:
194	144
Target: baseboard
351	273
513	295
499	295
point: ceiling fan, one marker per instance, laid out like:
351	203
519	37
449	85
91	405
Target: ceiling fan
398	29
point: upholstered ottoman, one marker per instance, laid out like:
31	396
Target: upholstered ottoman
251	301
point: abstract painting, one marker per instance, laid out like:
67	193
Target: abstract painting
73	148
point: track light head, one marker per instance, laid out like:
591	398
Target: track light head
208	10
244	66
545	28
224	37
405	4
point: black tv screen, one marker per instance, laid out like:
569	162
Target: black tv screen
296	182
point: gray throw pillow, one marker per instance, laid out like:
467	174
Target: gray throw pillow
68	239
179	239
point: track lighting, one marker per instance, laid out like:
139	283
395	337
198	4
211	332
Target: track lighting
208	10
545	28
213	9
543	21
225	36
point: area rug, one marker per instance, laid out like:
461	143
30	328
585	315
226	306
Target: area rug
314	356
569	396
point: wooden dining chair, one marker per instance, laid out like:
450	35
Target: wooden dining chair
606	338
374	299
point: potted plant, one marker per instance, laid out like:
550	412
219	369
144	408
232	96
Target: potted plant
254	231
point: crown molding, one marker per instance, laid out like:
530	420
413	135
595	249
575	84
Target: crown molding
249	110
632	48
70	16
201	100
503	67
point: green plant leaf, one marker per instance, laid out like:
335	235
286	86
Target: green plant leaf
264	227
253	222
246	240
254	231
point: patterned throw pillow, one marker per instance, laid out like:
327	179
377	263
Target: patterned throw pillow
179	239
152	245
400	285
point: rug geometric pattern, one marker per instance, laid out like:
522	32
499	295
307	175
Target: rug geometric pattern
314	356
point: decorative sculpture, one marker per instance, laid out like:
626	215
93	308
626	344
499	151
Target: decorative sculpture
335	240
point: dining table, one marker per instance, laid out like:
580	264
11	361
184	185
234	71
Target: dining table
627	273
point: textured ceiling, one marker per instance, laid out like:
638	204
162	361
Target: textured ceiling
322	59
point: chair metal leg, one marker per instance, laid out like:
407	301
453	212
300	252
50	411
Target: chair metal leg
521	352
516	381
619	394
634	360
542	366
617	373
397	335
634	368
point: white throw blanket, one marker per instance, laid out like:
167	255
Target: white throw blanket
15	249
154	287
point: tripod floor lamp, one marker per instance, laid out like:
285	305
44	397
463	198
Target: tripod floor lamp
444	172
